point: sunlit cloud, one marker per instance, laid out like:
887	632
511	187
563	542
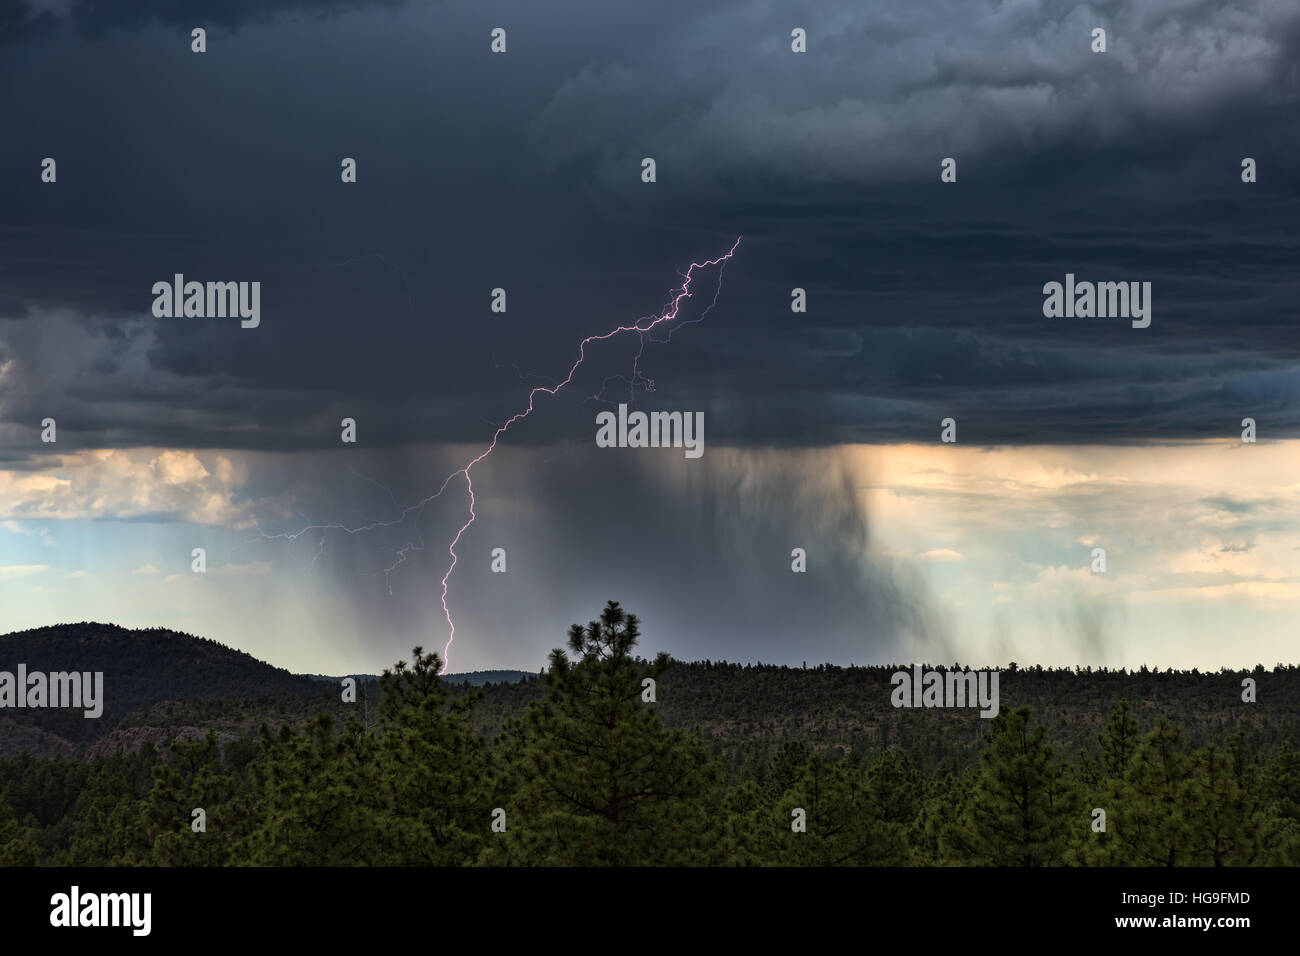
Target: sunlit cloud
119	484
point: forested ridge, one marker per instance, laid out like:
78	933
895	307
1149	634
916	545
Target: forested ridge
729	765
140	667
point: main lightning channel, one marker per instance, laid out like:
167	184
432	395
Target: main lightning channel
666	316
641	327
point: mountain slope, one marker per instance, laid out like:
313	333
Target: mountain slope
140	667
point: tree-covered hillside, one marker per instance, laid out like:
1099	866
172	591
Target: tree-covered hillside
611	759
140	668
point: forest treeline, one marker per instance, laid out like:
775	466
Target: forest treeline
588	773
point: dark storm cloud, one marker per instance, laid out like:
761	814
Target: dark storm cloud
522	171
30	20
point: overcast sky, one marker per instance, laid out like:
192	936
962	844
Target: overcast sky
522	171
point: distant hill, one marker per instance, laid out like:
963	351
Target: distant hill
473	678
482	678
141	668
360	678
161	684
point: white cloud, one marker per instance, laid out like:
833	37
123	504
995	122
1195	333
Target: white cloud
941	554
114	483
1199	537
8	571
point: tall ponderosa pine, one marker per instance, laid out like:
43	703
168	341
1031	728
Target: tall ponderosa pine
1102	786
594	777
1119	740
431	769
1021	807
1153	823
1226	826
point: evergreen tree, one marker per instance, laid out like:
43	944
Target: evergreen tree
1223	820
842	822
786	766
897	788
1280	784
1020	810
1101	786
1280	794
192	777
430	769
17	848
1152	824
746	826
1119	740
938	836
596	778
112	817
314	796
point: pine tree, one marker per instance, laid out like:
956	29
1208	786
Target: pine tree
314	795
430	769
593	776
745	827
17	848
786	767
1280	784
842	820
1021	808
1280	793
111	827
897	788
1101	785
192	777
1119	740
1152	823
938	836
1223	820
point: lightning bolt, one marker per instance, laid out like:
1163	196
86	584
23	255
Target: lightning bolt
643	327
